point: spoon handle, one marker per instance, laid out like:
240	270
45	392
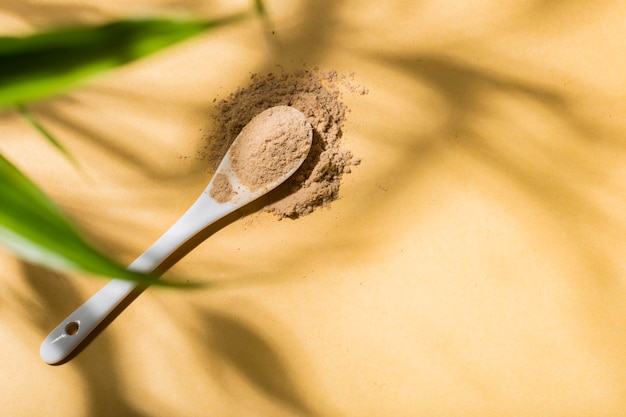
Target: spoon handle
78	325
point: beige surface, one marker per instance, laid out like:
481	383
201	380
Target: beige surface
474	265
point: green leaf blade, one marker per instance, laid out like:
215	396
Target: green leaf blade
35	229
44	64
30	118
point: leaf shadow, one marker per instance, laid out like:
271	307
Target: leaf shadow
95	134
240	347
467	91
42	14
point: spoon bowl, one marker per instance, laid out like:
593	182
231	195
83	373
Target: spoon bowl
268	136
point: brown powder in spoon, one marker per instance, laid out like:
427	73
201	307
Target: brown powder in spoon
315	93
221	191
269	146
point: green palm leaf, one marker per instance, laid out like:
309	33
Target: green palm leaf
33	227
44	64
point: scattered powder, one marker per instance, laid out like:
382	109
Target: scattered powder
317	94
270	146
221	191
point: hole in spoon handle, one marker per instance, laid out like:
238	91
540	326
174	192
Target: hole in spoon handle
66	337
72	327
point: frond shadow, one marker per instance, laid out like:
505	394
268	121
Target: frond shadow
42	15
240	347
90	131
467	91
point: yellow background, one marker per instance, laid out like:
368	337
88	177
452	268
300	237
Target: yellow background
474	265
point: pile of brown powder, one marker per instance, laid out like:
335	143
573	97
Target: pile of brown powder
317	95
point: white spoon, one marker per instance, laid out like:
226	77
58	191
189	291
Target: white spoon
260	138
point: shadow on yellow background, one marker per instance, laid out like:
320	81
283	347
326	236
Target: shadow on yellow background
473	265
